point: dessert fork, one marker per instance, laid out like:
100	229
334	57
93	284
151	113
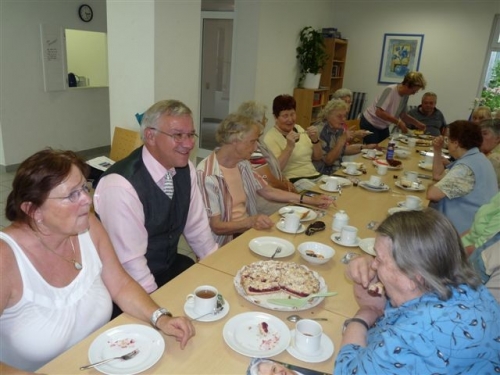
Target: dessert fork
123	357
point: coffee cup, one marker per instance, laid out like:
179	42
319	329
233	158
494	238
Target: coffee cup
351	169
382	169
371	153
348	235
412	202
412	176
203	299
308	336
375	180
428	159
331	183
290	222
412	142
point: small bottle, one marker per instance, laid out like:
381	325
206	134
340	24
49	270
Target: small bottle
340	220
390	150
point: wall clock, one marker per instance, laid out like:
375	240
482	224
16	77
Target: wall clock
85	12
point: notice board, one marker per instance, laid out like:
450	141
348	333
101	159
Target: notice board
53	57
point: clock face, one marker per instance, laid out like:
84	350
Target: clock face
85	13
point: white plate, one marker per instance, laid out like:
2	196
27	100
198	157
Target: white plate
341	180
261	299
393	210
366	244
357	173
377	152
242	334
388	166
189	306
325	351
427	166
281	226
311	215
266	246
418	187
323	187
336	235
123	339
366	186
403	204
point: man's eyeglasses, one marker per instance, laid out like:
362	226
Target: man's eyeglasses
178	137
74	196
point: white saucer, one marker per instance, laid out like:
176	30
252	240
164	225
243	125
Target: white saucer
402	204
339	242
325	351
323	187
281	226
393	210
357	173
188	309
366	156
427	166
377	152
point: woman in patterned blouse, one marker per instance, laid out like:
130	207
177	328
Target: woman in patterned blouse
435	316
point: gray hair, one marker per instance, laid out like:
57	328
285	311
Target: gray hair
491	124
430	93
427	248
169	107
234	127
252	109
342	93
332	105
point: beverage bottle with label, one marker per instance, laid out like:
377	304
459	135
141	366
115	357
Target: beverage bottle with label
340	219
390	150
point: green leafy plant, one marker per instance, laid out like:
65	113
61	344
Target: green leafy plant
490	96
311	51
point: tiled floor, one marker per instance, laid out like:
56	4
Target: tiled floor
6	187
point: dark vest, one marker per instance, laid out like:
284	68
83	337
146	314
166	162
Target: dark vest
165	218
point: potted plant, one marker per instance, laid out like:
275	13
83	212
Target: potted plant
312	56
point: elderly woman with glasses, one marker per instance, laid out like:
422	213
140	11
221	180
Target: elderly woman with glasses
432	315
490	130
229	185
294	147
59	270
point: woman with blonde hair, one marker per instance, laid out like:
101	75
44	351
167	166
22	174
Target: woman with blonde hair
480	113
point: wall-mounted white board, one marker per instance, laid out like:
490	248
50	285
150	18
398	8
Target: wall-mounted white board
53	57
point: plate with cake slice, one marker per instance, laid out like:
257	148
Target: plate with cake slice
261	281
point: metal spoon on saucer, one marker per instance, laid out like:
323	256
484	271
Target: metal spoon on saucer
295	318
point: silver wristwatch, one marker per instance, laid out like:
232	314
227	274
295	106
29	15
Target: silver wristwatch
348	257
157	314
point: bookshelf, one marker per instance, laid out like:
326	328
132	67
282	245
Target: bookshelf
309	103
332	75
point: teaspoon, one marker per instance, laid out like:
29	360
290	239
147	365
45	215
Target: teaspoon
295	318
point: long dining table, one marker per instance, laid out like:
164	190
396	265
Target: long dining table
207	352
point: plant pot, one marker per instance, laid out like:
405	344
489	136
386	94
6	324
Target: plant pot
311	81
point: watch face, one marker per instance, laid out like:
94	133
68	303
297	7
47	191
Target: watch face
85	13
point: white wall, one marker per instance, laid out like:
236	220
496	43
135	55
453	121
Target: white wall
30	118
454	48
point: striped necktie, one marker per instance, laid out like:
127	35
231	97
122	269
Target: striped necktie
168	187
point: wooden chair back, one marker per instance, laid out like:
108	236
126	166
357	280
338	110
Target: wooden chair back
124	142
353	124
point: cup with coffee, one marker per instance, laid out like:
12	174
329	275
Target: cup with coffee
348	235
307	338
352	169
382	169
203	299
412	142
290	222
413	202
331	184
371	153
412	176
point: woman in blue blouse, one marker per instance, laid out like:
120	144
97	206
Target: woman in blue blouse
435	317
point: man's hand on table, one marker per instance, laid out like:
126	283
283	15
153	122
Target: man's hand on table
179	327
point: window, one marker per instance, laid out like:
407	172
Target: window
490	88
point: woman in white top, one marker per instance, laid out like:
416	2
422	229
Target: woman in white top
59	269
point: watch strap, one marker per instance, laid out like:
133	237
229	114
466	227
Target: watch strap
355	320
157	314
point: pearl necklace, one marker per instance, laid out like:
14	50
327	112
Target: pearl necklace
78	266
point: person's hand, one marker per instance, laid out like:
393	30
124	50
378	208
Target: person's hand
372	146
437	145
179	327
291	138
312	132
420	126
370	307
350	135
261	222
360	272
403	127
361	133
290	186
321	201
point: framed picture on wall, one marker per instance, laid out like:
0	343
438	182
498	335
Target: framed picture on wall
400	55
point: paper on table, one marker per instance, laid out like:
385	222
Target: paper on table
101	162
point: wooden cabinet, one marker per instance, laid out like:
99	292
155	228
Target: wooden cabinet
332	75
309	103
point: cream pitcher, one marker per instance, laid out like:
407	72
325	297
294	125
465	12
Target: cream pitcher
340	219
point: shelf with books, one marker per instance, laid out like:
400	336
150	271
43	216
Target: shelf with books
332	75
309	104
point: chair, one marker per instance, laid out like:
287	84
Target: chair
124	142
353	124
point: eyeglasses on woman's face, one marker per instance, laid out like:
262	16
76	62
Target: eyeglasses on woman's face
75	195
